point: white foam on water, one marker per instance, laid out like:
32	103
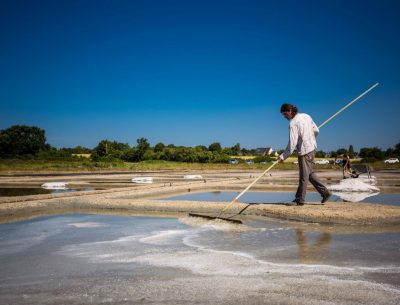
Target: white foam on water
227	263
200	259
86	225
164	237
216	224
207	275
313	284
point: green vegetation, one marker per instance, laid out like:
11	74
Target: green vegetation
24	148
22	140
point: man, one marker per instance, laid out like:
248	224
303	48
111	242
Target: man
346	165
302	133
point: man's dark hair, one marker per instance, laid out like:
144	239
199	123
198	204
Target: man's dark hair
288	107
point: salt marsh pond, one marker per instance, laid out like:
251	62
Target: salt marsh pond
281	197
116	259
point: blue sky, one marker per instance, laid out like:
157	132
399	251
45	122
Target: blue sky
197	72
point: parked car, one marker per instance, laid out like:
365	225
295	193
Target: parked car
250	162
391	160
323	161
339	161
263	162
233	161
296	162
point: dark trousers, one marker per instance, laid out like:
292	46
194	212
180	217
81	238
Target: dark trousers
306	168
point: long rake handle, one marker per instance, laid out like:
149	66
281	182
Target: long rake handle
273	164
349	104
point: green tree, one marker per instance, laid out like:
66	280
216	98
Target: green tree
142	145
131	155
216	146
371	154
236	149
341	151
245	152
397	149
334	154
201	148
19	140
101	149
109	151
389	152
228	151
159	147
351	151
80	150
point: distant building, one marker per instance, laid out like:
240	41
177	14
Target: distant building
264	151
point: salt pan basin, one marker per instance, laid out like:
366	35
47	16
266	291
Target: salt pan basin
94	259
142	180
55	185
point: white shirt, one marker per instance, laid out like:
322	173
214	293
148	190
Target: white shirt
302	133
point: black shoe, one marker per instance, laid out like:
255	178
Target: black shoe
297	202
325	197
293	203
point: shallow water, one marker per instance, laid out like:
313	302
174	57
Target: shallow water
81	259
278	197
25	191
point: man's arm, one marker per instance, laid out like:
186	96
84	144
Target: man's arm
293	138
315	129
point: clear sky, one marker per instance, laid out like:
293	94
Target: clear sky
197	72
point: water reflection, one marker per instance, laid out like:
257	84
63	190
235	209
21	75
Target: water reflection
286	197
20	191
26	191
311	252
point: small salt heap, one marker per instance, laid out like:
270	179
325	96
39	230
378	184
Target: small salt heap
142	180
193	177
55	185
355	189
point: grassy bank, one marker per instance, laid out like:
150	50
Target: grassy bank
87	165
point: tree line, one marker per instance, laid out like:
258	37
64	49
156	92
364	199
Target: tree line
29	142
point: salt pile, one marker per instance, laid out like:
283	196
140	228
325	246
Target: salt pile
193	177
355	189
361	184
55	185
142	180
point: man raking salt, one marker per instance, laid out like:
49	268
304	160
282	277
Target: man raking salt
302	138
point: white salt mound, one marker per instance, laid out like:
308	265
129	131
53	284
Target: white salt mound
355	189
361	184
193	177
55	185
142	180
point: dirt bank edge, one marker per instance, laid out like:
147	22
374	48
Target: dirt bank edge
331	212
